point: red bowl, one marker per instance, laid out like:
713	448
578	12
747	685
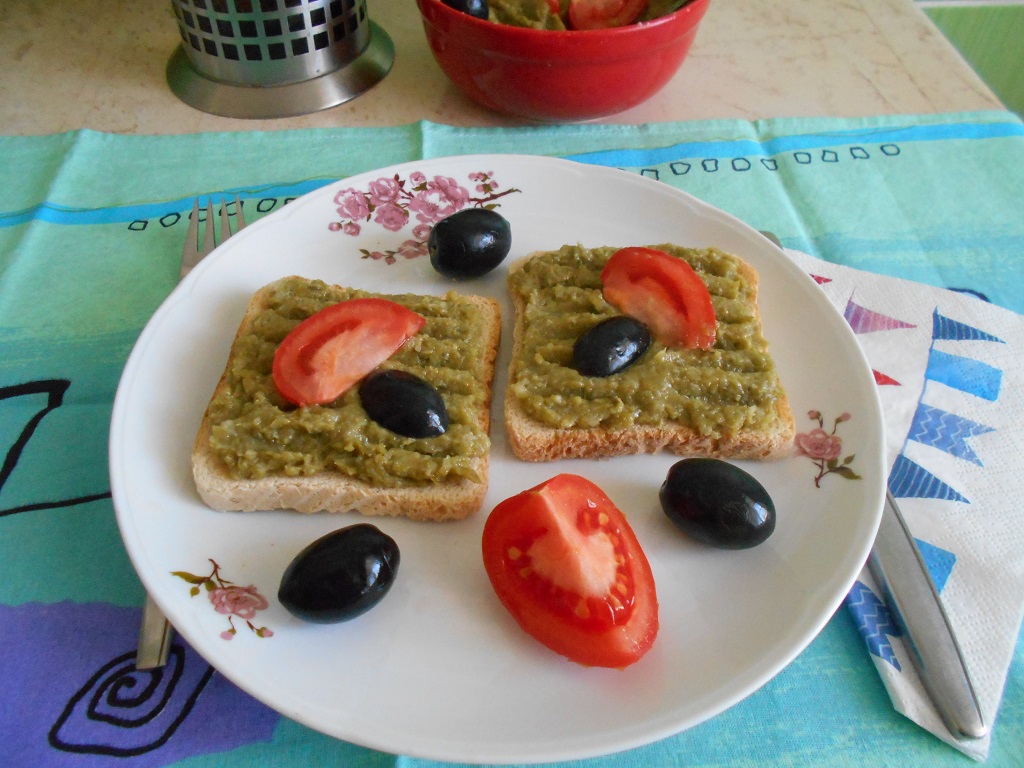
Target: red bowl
558	76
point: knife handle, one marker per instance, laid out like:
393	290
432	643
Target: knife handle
911	596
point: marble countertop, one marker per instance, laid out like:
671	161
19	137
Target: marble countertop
100	64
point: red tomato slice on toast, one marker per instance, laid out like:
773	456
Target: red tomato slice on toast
664	293
603	14
565	563
334	348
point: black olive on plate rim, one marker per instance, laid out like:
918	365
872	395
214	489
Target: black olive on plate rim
404	403
341	575
611	346
717	503
469	243
478	8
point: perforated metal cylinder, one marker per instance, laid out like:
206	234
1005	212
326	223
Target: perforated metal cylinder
271	42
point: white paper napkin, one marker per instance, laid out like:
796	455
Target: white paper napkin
950	372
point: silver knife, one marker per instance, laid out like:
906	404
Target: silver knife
913	600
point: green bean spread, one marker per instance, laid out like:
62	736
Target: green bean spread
257	433
717	392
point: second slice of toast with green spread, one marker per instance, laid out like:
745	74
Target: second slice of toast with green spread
256	451
726	402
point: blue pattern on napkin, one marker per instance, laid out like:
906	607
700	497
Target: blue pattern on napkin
950	329
909	480
940	562
965	374
874	622
946	431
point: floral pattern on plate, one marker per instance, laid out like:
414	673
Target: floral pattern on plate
393	203
826	448
229	599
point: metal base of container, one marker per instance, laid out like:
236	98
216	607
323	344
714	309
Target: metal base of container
291	100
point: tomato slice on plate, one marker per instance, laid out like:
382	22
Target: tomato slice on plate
565	563
603	14
334	348
664	293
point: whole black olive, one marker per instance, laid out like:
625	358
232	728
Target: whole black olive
469	243
717	503
404	403
341	575
610	346
476	8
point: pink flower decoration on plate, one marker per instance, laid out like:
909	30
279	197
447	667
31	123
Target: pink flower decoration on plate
229	599
242	602
818	444
393	203
391	216
825	448
352	204
384	191
437	199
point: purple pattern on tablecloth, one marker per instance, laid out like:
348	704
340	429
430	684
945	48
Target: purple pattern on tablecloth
68	669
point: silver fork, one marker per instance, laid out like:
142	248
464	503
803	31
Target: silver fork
156	632
194	250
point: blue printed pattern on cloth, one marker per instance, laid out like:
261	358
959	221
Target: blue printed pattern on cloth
67	660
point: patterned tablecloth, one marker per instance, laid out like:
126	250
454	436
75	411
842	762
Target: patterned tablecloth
91	228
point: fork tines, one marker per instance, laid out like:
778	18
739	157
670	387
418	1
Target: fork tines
194	251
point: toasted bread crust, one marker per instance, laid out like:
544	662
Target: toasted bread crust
532	440
333	491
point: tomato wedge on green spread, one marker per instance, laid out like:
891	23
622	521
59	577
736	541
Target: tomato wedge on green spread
664	293
334	348
565	563
604	14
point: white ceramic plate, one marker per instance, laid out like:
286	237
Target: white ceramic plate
438	669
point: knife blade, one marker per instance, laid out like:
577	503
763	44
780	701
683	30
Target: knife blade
914	602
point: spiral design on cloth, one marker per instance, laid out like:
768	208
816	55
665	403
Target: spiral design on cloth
124	711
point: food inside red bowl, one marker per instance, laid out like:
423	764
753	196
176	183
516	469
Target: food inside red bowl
561	15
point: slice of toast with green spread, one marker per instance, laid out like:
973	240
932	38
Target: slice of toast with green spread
726	402
256	451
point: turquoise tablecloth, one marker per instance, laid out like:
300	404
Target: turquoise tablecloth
91	228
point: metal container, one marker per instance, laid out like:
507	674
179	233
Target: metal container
275	58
